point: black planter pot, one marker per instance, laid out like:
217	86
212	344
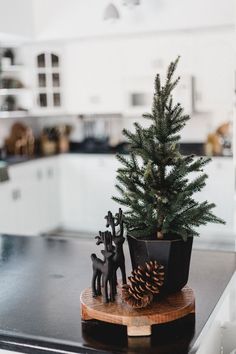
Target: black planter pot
174	255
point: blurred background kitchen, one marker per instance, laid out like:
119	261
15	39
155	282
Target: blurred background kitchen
74	73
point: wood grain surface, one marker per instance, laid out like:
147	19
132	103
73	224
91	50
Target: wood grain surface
168	309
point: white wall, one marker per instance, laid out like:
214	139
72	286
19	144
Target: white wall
56	19
103	65
16	20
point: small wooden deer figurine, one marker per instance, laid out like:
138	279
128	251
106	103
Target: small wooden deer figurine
118	239
104	269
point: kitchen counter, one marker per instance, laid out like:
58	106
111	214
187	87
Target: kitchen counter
41	281
14	160
78	148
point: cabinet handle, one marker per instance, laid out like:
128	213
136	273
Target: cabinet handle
16	194
39	175
95	99
50	172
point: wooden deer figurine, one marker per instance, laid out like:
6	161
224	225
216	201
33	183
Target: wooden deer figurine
104	269
118	239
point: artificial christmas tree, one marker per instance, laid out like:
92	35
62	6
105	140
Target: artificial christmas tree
155	187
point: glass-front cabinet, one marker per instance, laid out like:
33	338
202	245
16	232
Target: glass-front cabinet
48	95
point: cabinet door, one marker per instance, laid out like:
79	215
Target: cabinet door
93	78
220	173
46	67
25	198
87	184
9	221
44	195
101	174
73	192
33	198
14	216
29	208
49	200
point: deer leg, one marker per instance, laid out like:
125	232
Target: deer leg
105	293
114	280
112	290
99	292
123	273
94	291
115	277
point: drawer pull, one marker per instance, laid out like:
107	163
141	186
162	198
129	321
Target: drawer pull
16	194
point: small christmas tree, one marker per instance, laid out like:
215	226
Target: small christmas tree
153	181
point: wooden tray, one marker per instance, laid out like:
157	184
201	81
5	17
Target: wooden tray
138	322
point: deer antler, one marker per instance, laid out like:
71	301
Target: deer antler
120	221
111	222
119	217
100	238
107	239
110	219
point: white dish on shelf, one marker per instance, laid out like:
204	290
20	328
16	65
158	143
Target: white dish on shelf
13	114
13	91
11	68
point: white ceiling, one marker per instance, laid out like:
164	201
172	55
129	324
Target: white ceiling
58	19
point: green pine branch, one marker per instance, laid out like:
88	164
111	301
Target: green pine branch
154	181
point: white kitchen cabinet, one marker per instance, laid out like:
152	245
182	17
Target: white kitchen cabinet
219	190
31	198
50	194
87	184
93	78
13	195
9	221
46	68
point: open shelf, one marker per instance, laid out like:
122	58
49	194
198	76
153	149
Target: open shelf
11	68
14	114
5	91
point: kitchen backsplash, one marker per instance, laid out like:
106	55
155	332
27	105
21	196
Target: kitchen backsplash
107	126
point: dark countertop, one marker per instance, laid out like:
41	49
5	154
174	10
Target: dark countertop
15	160
41	281
103	149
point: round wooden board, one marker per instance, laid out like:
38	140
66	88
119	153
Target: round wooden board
138	321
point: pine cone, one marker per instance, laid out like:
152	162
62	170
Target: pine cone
134	299
144	283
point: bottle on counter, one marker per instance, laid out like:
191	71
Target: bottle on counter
219	143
